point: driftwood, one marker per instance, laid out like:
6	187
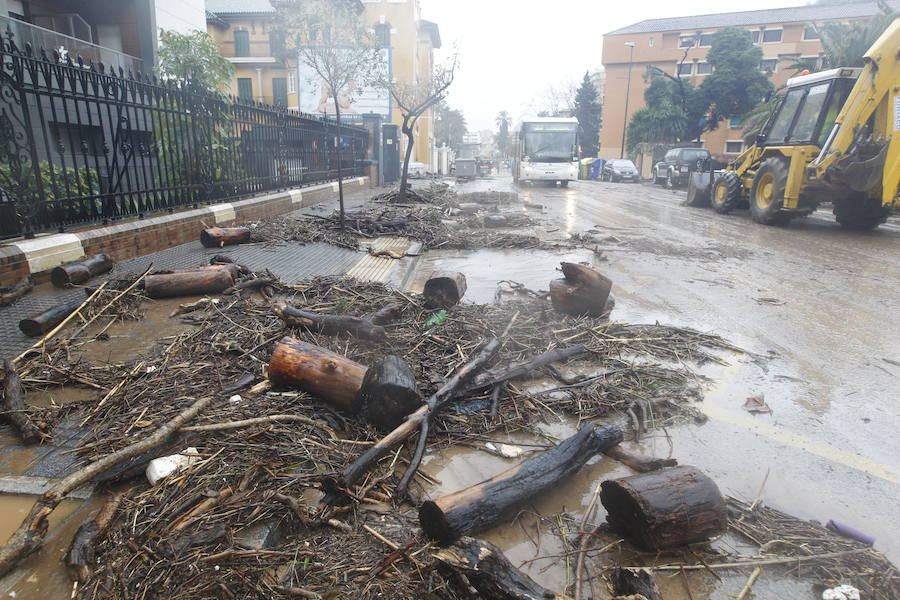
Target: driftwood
42	322
383	316
81	556
79	271
216	237
665	508
389	393
331	377
329	324
221	259
188	283
11	293
31	533
484	504
583	291
639	462
497	375
628	583
444	289
491	573
14	406
417	420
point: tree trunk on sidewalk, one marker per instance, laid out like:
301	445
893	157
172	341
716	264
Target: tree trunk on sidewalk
79	271
216	237
42	322
189	283
407	129
340	178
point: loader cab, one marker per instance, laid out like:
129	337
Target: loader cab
808	110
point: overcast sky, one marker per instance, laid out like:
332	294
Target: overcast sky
510	50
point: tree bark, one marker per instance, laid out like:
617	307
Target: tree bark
81	556
497	375
582	291
407	129
665	508
216	237
444	289
42	322
188	283
329	324
15	408
11	293
639	462
333	378
491	573
79	271
31	533
389	393
233	269
494	500
631	582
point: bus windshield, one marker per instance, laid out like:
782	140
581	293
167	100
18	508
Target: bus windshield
545	144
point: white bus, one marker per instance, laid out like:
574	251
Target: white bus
546	150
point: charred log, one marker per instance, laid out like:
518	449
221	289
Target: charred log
494	500
189	283
38	324
216	237
14	407
389	393
82	556
329	324
666	508
634	582
444	289
79	271
639	462
331	377
11	293
583	291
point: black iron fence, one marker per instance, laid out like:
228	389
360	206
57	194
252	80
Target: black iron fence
81	143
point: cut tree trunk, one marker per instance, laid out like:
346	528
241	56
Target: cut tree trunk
329	324
38	324
234	269
189	283
491	573
482	505
82	556
79	271
11	293
444	289
628	583
639	462
331	377
216	237
665	508
389	393
14	406
583	291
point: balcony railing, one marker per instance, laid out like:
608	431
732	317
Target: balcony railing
67	46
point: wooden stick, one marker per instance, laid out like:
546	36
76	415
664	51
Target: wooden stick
111	302
758	563
262	421
749	585
30	535
329	324
81	556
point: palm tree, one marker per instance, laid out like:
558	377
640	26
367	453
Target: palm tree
846	43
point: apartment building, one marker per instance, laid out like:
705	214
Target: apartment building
248	35
785	36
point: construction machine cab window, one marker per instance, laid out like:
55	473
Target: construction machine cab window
808	113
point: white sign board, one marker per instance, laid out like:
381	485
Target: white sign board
896	113
315	96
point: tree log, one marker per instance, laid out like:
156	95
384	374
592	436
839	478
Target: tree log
383	316
42	322
331	377
79	271
631	582
216	237
444	289
491	573
329	324
11	293
639	462
582	291
389	393
31	533
234	269
81	556
482	505
492	377
188	283
221	259
14	406
665	508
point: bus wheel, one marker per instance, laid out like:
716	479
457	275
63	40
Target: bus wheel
564	183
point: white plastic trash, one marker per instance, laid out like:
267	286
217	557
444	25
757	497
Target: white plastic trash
841	592
161	467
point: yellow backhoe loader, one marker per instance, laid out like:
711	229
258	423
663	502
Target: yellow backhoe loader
835	136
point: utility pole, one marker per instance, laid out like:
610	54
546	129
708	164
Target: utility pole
627	93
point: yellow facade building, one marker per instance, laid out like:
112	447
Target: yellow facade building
247	33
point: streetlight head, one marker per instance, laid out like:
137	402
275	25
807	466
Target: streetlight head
629	44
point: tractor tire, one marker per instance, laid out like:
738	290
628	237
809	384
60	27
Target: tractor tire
726	192
859	213
767	193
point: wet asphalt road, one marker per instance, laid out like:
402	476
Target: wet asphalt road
818	306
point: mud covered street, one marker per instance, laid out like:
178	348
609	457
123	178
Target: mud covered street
815	304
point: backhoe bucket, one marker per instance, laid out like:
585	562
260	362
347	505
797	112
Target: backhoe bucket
864	175
699	189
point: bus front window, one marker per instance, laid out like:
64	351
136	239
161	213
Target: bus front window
550	146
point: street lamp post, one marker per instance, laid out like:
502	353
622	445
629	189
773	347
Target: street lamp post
627	93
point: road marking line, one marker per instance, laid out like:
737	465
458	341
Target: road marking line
782	436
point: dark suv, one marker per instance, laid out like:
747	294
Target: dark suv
676	167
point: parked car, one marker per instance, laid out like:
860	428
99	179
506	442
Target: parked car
675	169
619	170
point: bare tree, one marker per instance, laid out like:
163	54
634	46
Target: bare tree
414	100
329	37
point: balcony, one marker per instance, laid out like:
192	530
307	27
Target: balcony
38	37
